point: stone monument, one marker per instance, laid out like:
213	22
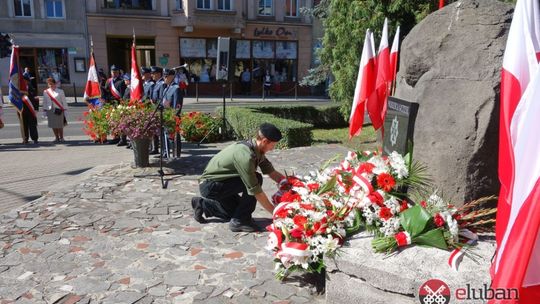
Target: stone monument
450	64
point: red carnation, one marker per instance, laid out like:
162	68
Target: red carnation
366	167
296	233
403	206
386	182
291	196
282	213
299	220
423	204
385	213
439	220
313	187
376	198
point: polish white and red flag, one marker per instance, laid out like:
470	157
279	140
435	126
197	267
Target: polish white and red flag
517	262
92	91
136	88
365	85
394	52
377	101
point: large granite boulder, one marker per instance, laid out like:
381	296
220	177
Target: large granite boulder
450	64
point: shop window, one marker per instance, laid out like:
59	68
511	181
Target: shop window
263	49
266	7
243	49
54	8
23	8
179	5
225	5
130	4
204	4
52	63
291	8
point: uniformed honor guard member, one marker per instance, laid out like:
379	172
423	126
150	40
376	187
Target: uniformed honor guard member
127	82
232	171
148	83
157	76
115	86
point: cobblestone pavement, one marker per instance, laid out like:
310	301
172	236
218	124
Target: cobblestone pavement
109	237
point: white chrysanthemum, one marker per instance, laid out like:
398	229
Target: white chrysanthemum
398	164
379	163
436	200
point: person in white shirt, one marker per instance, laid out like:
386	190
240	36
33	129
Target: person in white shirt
55	107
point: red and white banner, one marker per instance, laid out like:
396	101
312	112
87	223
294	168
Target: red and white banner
377	101
517	263
365	85
136	88
92	92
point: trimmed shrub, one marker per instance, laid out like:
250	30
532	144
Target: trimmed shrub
246	121
325	117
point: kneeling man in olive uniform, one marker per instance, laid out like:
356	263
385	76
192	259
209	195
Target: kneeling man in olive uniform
230	185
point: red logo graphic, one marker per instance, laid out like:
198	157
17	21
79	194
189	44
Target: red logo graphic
434	292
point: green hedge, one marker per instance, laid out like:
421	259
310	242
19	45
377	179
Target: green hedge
325	117
246	121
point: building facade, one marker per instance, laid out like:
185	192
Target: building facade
51	35
270	35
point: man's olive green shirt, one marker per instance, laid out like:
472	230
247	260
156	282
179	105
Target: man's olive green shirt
238	160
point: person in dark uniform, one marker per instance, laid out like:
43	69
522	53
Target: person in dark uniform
148	84
29	113
157	77
115	86
172	98
232	171
127	82
114	92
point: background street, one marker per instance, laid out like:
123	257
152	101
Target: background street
27	170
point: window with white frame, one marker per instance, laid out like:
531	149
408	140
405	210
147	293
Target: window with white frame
225	5
179	5
266	7
204	4
291	8
23	8
54	8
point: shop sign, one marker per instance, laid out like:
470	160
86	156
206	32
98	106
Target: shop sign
280	32
72	51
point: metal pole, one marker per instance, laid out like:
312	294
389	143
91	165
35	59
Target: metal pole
75	92
230	89
295	91
197	91
263	90
224	119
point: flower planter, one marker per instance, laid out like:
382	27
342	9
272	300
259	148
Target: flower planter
141	147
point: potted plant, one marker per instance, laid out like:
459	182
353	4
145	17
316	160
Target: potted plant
139	122
96	123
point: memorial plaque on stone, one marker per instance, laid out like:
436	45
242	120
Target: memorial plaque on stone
399	125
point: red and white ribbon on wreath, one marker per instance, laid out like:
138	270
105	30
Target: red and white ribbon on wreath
294	249
403	238
457	255
275	238
363	182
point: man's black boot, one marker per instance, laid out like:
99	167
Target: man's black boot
197	209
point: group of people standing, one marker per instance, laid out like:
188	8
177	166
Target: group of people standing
54	109
160	86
